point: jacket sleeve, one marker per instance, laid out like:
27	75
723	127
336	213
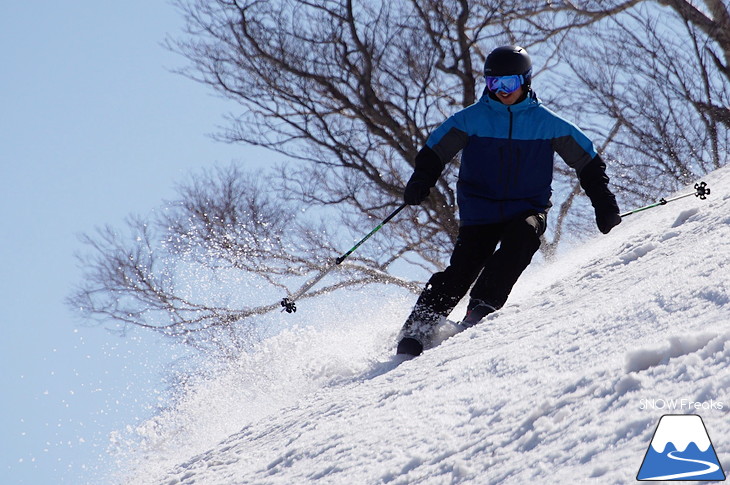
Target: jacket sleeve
443	144
447	140
578	152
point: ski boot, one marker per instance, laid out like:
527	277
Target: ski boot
476	311
414	336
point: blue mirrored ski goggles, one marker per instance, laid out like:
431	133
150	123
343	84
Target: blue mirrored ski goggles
506	84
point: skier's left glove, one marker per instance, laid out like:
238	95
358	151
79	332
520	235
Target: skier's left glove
594	181
607	221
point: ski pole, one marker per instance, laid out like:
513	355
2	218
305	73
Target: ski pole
701	191
289	303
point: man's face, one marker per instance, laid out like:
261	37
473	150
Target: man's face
510	98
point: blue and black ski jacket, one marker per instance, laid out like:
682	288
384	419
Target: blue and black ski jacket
507	159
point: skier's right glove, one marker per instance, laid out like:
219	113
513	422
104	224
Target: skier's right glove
427	172
416	190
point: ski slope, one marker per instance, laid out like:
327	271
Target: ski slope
566	384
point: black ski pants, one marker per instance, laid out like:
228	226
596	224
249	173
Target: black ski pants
476	257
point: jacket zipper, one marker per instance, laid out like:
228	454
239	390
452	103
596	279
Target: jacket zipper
508	162
509	110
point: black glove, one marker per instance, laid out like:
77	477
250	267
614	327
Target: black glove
594	181
416	190
428	170
607	221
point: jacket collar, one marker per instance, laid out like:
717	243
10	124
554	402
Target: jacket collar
530	101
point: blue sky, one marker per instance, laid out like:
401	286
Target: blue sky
93	126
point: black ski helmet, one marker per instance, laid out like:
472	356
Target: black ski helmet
508	60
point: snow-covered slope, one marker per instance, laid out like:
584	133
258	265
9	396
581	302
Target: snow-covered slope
565	385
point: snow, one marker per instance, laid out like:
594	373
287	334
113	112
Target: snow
566	384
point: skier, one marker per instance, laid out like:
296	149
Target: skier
507	139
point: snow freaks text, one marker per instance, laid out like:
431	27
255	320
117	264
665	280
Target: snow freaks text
680	405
